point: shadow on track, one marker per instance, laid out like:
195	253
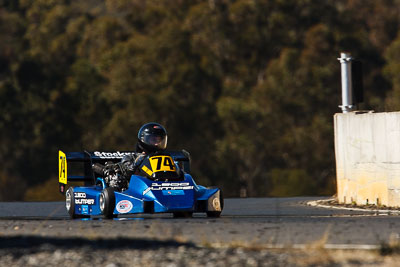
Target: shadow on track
38	243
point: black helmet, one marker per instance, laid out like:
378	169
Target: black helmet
152	137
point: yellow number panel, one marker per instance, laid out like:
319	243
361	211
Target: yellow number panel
162	163
62	167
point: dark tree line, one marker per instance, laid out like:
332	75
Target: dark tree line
248	87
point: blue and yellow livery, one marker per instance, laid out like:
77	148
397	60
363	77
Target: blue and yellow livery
162	184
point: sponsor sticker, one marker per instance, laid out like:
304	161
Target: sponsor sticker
79	195
84	201
124	206
85	209
168	187
80	199
173	192
111	155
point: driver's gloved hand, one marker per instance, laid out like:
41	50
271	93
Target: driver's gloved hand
128	163
139	159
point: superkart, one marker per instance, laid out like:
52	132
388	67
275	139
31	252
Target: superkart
162	184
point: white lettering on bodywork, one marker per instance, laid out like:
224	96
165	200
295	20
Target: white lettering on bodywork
168	186
112	155
84	201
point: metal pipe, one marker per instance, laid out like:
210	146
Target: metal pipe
347	86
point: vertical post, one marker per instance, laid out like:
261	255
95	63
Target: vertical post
347	85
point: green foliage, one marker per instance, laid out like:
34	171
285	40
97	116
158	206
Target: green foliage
301	183
46	191
392	70
248	87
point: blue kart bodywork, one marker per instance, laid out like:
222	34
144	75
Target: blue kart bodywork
145	194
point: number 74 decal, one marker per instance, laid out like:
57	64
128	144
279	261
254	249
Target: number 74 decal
162	163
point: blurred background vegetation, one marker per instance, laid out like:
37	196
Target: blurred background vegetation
249	88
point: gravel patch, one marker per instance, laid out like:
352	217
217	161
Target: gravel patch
37	251
45	251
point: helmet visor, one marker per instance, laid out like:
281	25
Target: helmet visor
155	141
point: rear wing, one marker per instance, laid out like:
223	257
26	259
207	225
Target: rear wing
89	158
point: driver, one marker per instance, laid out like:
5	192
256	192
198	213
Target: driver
152	138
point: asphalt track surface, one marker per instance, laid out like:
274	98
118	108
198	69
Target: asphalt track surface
273	222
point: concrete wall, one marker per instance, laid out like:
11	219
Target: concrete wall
367	148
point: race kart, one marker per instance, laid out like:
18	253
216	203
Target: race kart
161	184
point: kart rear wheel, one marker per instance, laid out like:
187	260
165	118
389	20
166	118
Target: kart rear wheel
70	203
183	214
107	202
216	214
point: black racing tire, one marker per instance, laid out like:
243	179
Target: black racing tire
183	214
107	202
217	214
70	203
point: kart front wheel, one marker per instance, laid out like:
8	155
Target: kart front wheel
107	202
